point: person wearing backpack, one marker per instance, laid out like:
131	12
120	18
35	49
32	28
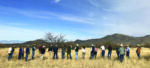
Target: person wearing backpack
12	52
33	51
109	51
95	52
103	51
76	51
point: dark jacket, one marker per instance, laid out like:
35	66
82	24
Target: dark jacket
109	48
27	50
93	49
63	49
42	50
55	49
69	49
20	50
33	48
50	48
76	49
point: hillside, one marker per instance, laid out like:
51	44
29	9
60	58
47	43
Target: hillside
117	38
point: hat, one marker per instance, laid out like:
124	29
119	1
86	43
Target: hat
138	44
77	44
121	45
92	44
43	46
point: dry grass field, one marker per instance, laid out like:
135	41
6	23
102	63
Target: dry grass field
133	62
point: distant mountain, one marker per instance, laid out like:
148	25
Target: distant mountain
10	41
117	38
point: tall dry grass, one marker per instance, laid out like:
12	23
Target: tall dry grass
133	62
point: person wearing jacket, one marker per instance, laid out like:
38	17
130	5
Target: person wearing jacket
117	50
83	52
76	51
50	49
121	52
33	51
9	53
42	52
95	52
92	52
20	53
128	51
69	51
12	52
27	53
55	50
109	51
138	51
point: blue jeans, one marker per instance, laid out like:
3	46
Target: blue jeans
128	54
33	53
76	54
68	53
9	56
138	54
20	56
26	58
92	55
63	55
121	57
55	54
109	54
118	55
103	53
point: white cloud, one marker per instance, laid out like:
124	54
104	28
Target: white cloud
57	1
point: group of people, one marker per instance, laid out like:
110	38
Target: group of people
120	51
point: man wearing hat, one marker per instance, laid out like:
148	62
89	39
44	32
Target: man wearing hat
128	51
76	51
33	51
122	52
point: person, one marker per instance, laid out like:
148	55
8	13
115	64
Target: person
33	51
27	53
103	51
121	52
9	53
76	51
109	51
50	49
42	52
55	50
128	51
83	52
69	51
95	52
92	52
20	53
12	52
138	51
117	50
63	52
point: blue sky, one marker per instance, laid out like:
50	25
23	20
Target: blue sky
76	19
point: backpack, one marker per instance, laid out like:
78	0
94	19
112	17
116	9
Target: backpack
95	49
